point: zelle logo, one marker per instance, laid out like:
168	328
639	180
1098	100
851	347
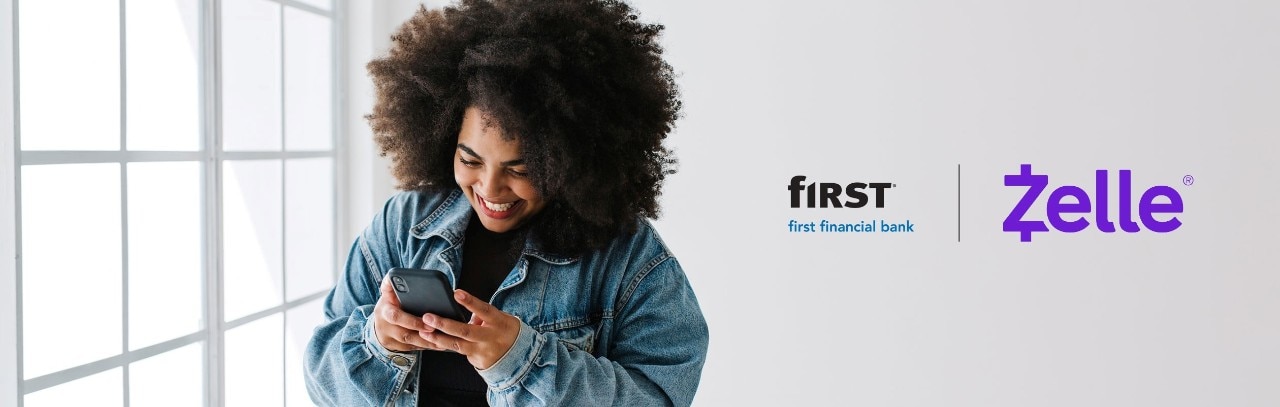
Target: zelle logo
1055	208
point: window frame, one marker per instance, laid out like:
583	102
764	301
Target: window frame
10	354
13	386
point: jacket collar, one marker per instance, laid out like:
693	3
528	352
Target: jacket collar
449	222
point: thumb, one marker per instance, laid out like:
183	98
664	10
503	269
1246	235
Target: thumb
389	293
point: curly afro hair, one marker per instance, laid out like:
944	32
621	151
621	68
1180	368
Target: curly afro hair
580	85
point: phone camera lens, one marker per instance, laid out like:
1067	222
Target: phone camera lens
401	288
397	280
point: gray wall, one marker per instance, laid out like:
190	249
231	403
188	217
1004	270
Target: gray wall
904	91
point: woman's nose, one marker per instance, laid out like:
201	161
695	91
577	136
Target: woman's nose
491	183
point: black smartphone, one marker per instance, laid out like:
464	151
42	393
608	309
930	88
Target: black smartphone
422	291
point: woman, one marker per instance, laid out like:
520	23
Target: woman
527	135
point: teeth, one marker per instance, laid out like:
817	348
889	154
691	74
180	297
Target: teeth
497	207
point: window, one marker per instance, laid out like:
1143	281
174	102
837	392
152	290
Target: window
174	206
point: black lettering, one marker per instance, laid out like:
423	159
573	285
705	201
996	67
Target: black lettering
830	194
879	187
854	191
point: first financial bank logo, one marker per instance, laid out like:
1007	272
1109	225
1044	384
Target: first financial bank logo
833	195
1055	207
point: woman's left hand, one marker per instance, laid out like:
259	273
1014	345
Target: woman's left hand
484	340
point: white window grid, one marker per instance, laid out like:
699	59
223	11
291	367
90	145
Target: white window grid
12	383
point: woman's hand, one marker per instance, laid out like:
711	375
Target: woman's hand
484	340
396	330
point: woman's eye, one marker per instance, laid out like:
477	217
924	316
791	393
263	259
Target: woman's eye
517	173
472	164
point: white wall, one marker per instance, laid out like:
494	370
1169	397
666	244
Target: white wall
367	177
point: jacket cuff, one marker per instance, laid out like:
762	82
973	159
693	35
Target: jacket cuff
398	360
511	367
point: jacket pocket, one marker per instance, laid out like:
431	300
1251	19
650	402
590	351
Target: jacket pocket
579	335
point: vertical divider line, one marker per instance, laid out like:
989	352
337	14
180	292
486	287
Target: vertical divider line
958	203
124	203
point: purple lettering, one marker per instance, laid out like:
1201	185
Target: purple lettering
1036	184
1056	208
1147	207
1058	205
1104	223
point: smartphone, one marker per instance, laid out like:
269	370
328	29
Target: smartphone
422	291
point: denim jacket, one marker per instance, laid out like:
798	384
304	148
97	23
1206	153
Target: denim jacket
615	326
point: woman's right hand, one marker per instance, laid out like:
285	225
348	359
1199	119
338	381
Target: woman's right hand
395	329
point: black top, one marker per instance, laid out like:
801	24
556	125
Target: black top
447	378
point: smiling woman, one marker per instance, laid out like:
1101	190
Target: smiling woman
528	137
498	187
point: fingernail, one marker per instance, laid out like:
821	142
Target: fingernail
461	295
429	319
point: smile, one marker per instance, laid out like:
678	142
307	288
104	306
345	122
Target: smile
498	210
497	207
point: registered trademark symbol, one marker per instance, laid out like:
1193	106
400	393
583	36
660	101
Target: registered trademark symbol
1188	180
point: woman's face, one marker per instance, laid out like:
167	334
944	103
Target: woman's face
493	175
